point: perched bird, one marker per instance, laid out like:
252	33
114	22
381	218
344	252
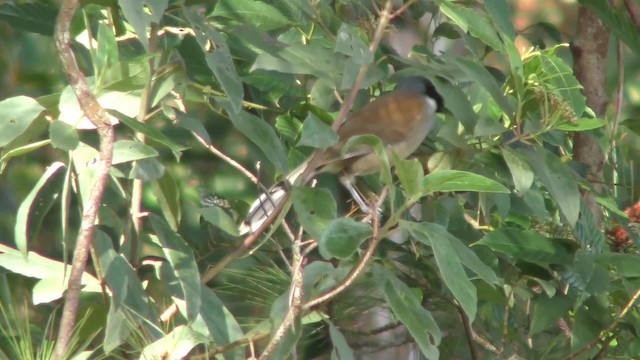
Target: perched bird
401	119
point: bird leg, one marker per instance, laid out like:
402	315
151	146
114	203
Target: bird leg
347	181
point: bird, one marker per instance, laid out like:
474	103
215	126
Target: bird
401	119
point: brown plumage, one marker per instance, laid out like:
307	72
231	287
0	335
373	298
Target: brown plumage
401	119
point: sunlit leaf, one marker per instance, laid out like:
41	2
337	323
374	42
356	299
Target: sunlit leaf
182	261
455	180
36	205
17	113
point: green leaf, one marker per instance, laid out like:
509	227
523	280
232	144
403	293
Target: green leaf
193	125
257	13
449	263
349	42
223	327
521	172
588	233
455	180
563	82
219	59
288	127
129	306
315	207
407	308
527	246
316	133
585	328
167	194
410	173
130	150
446	30
220	218
341	349
141	14
624	264
33	17
463	110
558	179
36	205
312	59
583	124
177	344
546	311
152	133
500	16
63	136
473	22
342	238
149	169
39	267
182	262
19	151
17	113
263	135
106	56
480	74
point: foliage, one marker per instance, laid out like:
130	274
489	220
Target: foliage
484	238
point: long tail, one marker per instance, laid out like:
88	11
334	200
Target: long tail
264	205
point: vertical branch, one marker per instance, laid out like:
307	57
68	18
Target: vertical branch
98	116
136	190
589	54
295	300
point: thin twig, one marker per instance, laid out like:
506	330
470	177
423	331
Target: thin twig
223	349
633	13
402	9
505	321
346	106
295	300
137	185
486	344
618	111
98	116
244	246
358	269
609	328
468	331
215	151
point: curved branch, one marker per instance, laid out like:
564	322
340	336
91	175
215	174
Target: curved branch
98	116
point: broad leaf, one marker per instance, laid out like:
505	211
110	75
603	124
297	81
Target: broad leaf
218	59
220	218
257	13
449	263
408	309
63	136
527	246
182	262
558	179
455	180
520	171
35	206
17	113
341	349
342	238
175	345
316	133
315	207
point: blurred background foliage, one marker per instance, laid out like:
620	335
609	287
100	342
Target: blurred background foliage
474	272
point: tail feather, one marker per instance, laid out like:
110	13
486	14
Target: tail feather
266	203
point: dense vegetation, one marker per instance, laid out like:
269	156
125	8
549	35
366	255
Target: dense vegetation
509	234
